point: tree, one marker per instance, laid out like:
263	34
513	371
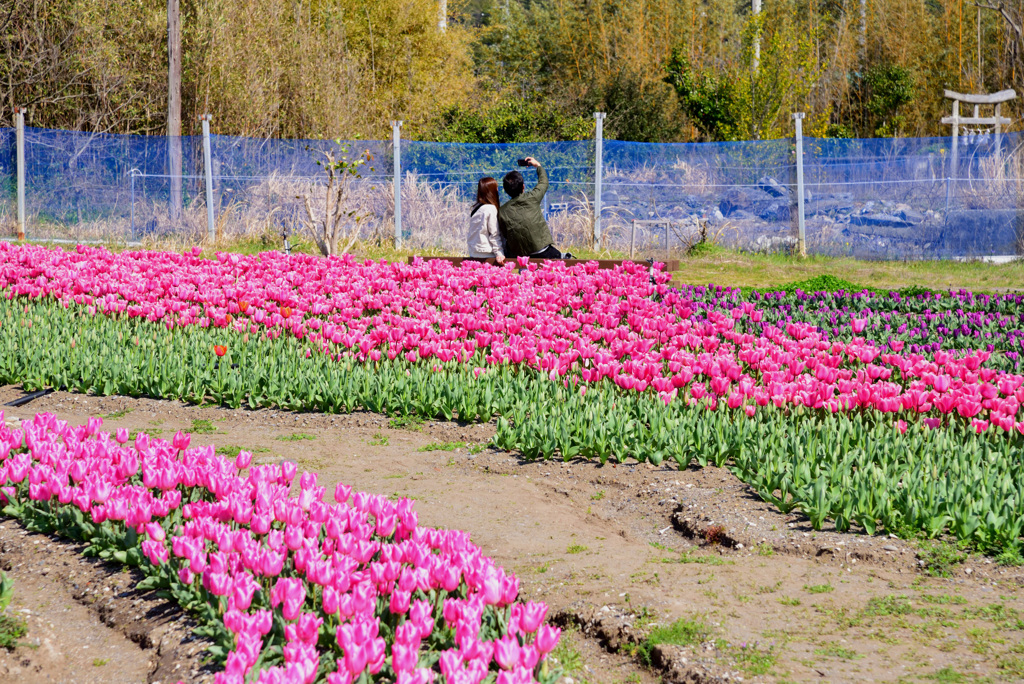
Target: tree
706	99
336	220
886	88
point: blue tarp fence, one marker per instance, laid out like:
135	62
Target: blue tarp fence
898	198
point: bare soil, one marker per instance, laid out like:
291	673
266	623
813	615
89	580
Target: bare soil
617	550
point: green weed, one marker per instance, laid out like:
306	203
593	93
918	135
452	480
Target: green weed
412	423
834	650
442	446
203	427
232	450
295	437
682	632
939	558
819	588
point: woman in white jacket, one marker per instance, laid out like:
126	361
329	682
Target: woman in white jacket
485	241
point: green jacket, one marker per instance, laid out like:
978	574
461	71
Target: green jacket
521	221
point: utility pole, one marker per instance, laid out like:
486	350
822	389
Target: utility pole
174	107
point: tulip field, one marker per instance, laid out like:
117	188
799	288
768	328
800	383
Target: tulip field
869	411
293	588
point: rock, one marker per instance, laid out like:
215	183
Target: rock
775	211
888	547
775	243
772	187
829	207
879	220
911	216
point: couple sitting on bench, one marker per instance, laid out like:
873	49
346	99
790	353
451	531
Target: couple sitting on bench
516	228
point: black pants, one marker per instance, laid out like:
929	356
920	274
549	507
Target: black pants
549	252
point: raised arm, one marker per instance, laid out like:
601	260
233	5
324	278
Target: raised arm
537	192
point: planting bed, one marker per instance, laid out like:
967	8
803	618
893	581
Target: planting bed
688	421
597	543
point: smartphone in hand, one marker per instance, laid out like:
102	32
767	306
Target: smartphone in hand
522	162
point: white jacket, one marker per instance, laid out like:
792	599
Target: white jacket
484	238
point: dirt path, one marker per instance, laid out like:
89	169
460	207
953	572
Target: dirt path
620	550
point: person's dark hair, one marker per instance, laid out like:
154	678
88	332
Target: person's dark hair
486	193
513	184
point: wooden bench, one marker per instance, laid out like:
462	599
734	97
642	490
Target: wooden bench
670	265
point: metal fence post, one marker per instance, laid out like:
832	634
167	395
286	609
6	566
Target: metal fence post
798	119
208	168
396	141
132	174
598	169
19	117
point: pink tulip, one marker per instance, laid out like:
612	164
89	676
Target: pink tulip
181	440
547	638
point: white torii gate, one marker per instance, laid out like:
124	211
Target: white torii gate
976	119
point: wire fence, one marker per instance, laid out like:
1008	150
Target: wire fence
878	198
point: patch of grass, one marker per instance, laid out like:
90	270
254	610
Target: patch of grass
295	437
566	655
888	605
835	650
1004	618
946	675
576	548
475	449
99	662
982	640
232	450
1011	557
442	446
203	427
940	558
152	432
765	589
777	271
379	439
764	549
598	496
116	414
1011	665
702	560
753	659
819	588
682	632
413	423
11	629
942	599
789	601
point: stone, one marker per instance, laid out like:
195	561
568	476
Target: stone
879	220
772	187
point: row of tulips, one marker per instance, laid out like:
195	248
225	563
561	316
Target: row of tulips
292	588
921	322
861	466
624	326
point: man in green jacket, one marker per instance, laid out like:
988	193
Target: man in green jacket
521	219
